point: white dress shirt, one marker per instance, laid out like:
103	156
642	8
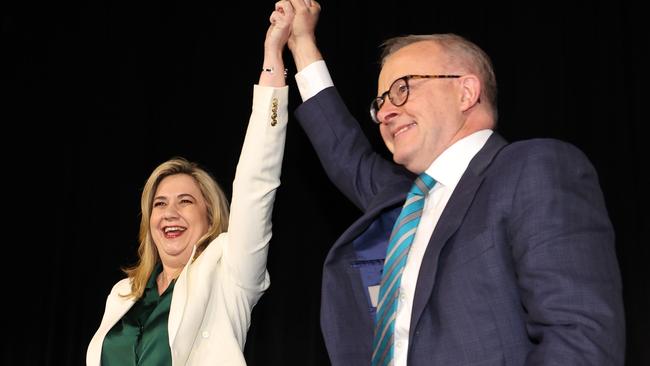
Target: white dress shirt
447	170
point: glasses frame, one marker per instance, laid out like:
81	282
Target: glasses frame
391	93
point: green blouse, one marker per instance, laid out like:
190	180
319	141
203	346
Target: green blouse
140	338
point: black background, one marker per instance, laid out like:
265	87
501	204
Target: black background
95	94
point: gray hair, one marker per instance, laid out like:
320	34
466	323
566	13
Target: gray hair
459	51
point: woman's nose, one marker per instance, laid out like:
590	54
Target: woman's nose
170	212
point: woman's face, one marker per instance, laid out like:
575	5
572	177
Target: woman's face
179	218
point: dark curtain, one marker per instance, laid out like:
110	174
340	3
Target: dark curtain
97	93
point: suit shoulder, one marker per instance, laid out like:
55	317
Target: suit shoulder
541	157
212	252
122	287
541	145
544	148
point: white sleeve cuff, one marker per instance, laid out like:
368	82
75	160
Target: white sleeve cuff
312	79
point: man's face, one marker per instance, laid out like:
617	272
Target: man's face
422	128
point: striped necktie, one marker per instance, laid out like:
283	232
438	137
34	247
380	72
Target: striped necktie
398	248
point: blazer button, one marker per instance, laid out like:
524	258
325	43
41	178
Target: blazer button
274	110
205	334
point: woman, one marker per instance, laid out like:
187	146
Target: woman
188	301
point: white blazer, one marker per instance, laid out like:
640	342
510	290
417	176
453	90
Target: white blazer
213	297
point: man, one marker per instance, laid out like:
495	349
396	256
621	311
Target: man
513	260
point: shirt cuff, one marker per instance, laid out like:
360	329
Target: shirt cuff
312	79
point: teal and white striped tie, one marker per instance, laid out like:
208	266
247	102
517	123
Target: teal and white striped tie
398	249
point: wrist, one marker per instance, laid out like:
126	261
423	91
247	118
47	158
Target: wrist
273	70
305	52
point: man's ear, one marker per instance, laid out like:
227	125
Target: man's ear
470	91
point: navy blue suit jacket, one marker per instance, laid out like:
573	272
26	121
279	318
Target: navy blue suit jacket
521	268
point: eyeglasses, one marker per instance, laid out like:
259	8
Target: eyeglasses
398	93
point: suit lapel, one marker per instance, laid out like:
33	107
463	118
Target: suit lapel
116	307
391	196
338	274
179	299
449	222
121	306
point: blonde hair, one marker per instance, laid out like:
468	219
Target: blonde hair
459	51
217	211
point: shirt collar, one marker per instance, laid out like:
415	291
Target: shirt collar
449	167
154	275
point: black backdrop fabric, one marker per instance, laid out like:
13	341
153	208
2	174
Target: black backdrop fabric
97	93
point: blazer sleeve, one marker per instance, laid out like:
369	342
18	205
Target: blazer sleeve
256	180
564	249
344	151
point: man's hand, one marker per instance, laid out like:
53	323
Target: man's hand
302	41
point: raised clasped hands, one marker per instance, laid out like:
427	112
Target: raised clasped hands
281	21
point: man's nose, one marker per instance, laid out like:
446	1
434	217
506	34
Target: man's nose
388	112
